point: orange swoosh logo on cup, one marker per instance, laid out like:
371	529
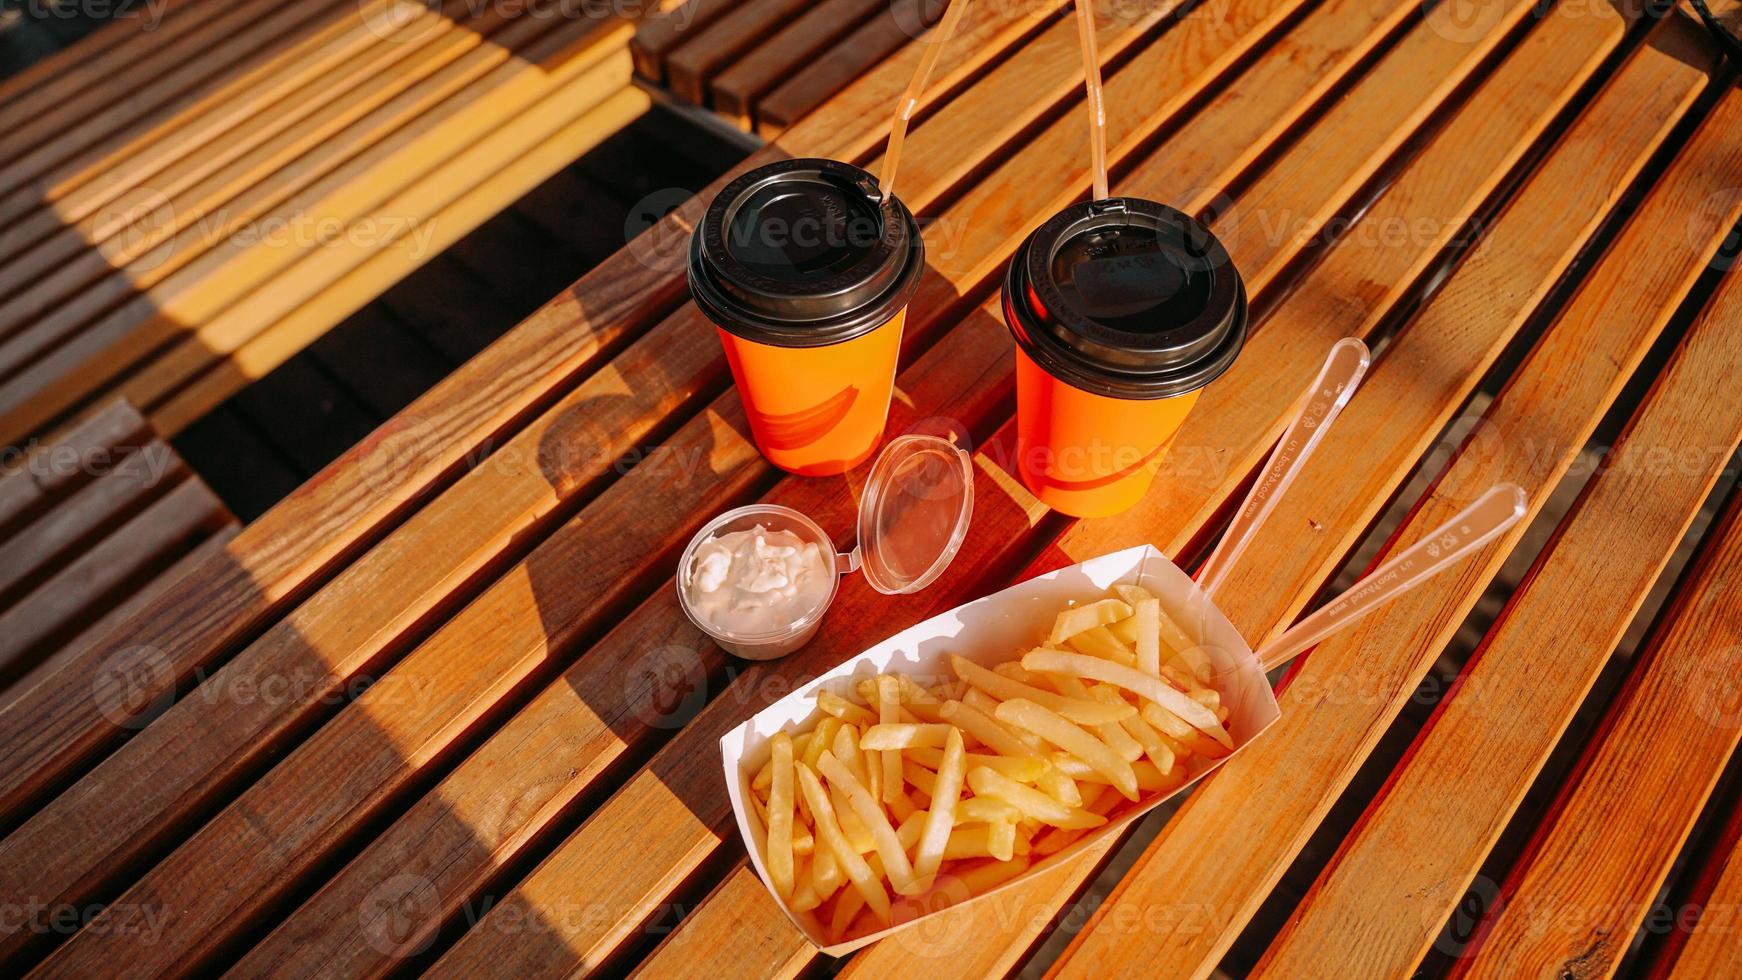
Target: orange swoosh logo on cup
797	429
1096	483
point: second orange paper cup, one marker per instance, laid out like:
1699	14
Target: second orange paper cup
806	270
1122	311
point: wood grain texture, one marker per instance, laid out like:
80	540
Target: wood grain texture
963	944
740	908
1598	859
704	52
193	295
120	611
220	373
119	563
627	692
94	60
298	544
1284	783
739	86
127	210
565	590
494	172
54	856
1706	942
1399	874
1006	186
656	36
37	480
58	150
829	72
128	482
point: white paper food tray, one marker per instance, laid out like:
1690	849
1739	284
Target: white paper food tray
990	631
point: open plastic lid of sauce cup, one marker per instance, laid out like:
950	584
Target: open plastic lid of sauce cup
913	516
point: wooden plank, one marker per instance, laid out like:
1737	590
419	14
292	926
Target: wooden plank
459	195
1707	943
1237	421
828	73
573	585
124	484
124	609
1589	863
298	544
688	842
148	542
719	938
1284	784
1400	873
737	89
120	42
656	36
54	151
357	287
237	203
83	226
443	547
705	52
37	476
460	862
1542	83
214	281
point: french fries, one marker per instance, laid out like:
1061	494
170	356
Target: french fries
909	794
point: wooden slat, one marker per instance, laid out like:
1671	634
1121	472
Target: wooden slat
125	484
443	547
870	43
655	37
737	89
147	196
699	949
443	206
1507	115
569	587
1599	856
1707	943
203	289
160	235
688	68
57	151
571	872
173	408
456	863
1283	784
296	545
1400	873
42	476
125	608
124	560
119	42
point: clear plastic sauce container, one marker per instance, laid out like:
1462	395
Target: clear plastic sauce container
913	516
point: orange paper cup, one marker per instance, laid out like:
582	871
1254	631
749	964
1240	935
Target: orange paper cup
807	271
1122	311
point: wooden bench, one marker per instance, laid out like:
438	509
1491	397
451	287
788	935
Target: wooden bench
186	207
96	524
498	750
765	64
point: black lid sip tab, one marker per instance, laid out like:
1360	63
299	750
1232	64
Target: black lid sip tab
804	253
1126	298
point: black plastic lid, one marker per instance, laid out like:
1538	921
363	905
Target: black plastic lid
1126	298
804	253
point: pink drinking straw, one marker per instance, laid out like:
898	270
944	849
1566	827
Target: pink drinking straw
909	103
1097	104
